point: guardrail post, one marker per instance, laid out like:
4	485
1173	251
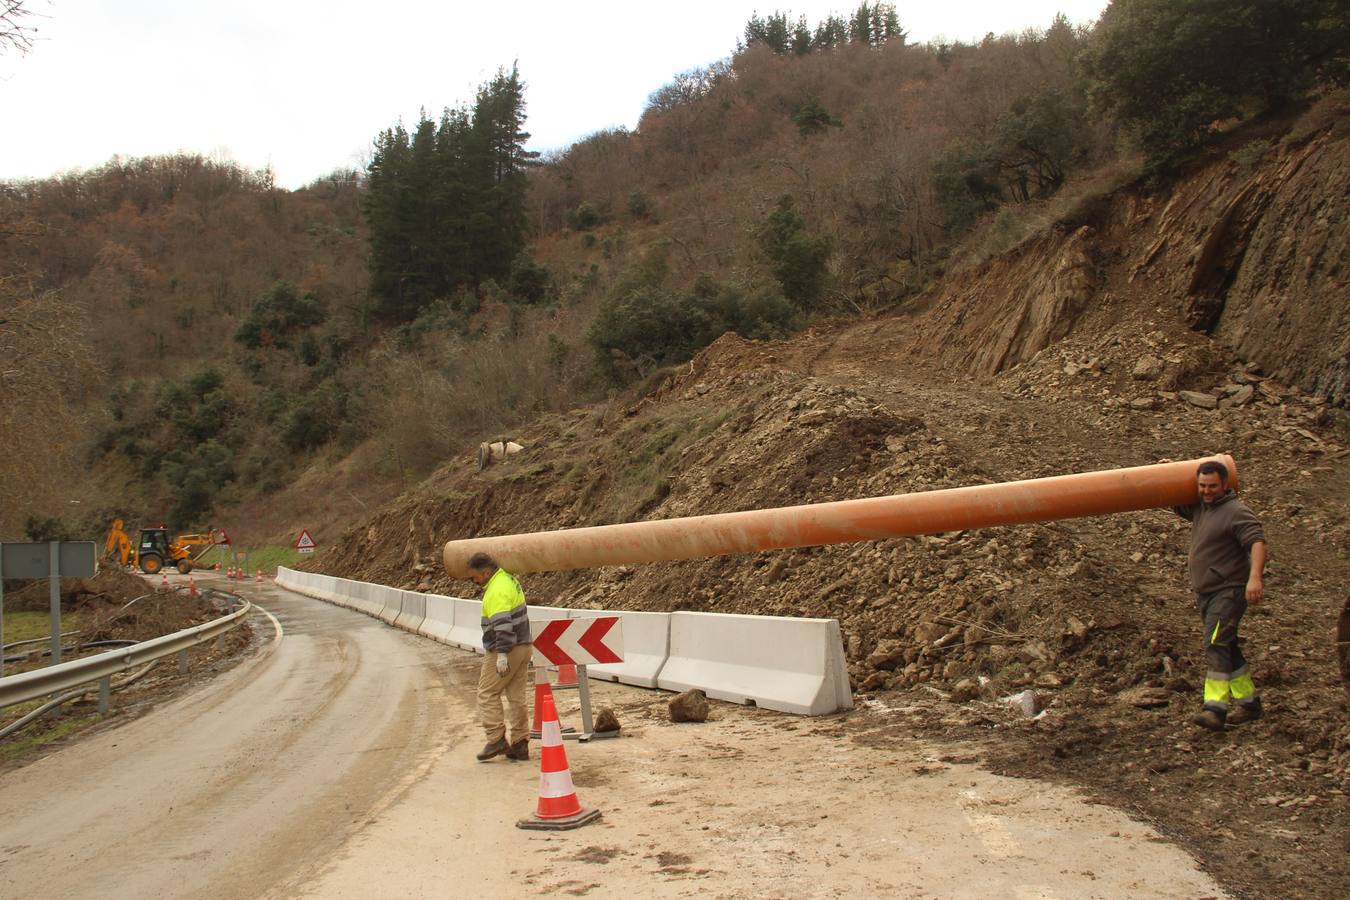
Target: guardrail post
182	662
104	690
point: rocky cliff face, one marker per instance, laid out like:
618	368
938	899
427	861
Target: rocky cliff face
1250	252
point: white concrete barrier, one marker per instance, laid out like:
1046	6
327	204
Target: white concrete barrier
791	665
786	664
646	644
468	630
440	618
413	612
390	601
359	594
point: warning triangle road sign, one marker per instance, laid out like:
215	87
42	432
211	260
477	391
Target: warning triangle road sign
305	543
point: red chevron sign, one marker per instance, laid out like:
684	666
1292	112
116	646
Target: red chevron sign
579	642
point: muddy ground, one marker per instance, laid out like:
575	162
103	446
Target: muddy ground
1092	615
114	606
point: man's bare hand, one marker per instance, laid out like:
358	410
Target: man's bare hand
1255	590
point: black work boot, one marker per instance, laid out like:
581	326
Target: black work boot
1208	718
496	748
519	750
1246	712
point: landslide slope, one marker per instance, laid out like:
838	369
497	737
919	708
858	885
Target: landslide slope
1077	351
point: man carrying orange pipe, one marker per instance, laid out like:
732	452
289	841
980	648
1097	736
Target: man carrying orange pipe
1227	565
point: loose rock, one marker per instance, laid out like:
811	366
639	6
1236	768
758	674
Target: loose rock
1145	697
1203	401
607	722
690	706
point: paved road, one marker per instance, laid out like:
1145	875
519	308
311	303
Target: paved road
338	762
226	791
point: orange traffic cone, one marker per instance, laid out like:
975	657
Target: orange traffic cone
537	729
192	587
567	676
216	567
257	577
558	809
163	580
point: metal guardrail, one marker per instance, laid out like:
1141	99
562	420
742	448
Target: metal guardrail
41	683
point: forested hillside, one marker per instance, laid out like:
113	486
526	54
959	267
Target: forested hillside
185	341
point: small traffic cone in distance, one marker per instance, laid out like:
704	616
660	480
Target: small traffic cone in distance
537	729
558	809
257	578
567	675
192	587
163	580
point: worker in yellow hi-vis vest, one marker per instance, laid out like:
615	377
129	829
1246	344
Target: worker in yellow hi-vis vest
506	638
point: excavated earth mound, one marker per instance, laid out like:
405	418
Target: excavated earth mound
1068	650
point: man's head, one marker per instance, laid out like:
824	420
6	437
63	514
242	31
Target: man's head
1211	481
481	568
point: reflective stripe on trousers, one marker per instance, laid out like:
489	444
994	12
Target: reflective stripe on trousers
1228	676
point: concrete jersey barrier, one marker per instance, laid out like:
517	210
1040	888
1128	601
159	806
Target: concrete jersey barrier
785	664
646	644
413	612
790	665
440	618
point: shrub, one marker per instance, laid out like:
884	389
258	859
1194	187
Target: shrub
584	217
642	324
530	282
811	117
799	258
277	316
1168	69
1250	154
640	206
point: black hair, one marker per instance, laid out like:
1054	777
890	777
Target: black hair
1212	467
481	562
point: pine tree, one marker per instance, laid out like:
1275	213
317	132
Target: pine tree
446	203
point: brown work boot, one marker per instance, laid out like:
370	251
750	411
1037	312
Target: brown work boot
519	750
1246	712
1210	719
496	748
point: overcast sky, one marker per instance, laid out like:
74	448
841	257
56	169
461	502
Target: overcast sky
305	85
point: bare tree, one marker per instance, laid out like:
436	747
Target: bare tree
15	34
46	375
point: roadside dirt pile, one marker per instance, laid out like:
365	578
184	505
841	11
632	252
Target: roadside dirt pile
1067	650
109	586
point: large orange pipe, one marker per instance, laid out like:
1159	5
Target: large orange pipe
1014	502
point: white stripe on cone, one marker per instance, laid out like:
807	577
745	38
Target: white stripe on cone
556	784
551	733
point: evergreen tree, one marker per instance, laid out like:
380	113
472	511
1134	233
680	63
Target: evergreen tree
801	37
832	32
1169	68
799	258
498	153
860	26
446	203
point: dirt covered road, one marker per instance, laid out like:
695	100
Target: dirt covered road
232	786
751	803
338	762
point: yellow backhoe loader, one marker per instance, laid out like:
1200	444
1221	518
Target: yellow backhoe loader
155	550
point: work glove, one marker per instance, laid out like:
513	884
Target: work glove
503	664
